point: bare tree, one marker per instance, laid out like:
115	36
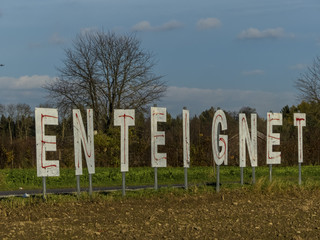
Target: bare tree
2	109
23	119
11	113
105	71
309	83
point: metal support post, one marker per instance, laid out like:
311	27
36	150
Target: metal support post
218	179
185	178
123	183
253	175
44	187
299	173
78	184
155	178
270	172
241	175
90	184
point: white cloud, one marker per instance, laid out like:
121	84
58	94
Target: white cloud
25	89
298	66
86	30
253	72
142	26
56	39
170	25
197	100
23	82
208	23
145	26
254	33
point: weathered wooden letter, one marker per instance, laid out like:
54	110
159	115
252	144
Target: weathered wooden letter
157	137
273	138
80	138
124	119
300	121
244	137
44	143
218	140
186	139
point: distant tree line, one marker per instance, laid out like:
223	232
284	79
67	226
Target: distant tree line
17	147
104	71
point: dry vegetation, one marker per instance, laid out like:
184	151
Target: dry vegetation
230	214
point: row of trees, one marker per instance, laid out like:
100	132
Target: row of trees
104	71
17	148
17	136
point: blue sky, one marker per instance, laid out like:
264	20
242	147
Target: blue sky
226	54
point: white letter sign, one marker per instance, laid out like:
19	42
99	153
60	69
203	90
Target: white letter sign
273	138
219	156
79	137
157	138
124	119
300	121
44	143
186	139
244	137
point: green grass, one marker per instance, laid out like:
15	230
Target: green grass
285	180
13	179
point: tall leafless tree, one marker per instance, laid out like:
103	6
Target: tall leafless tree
308	83
23	120
11	113
105	71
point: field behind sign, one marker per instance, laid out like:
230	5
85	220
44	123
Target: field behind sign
14	179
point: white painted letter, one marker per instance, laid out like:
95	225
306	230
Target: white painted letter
219	156
273	138
79	137
124	119
186	139
157	138
244	137
44	143
300	121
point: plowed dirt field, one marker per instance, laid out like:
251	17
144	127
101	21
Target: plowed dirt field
230	214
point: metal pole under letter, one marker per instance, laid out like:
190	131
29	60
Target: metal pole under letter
90	184
253	175
155	178
241	175
123	183
218	179
218	166
78	185
44	186
270	172
185	178
299	173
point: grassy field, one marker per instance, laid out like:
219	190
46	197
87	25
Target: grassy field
13	179
281	209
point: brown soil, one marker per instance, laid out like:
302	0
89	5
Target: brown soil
232	214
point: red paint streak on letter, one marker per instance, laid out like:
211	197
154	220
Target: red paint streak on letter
44	142
269	135
124	135
83	137
186	138
299	120
221	139
154	145
249	149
